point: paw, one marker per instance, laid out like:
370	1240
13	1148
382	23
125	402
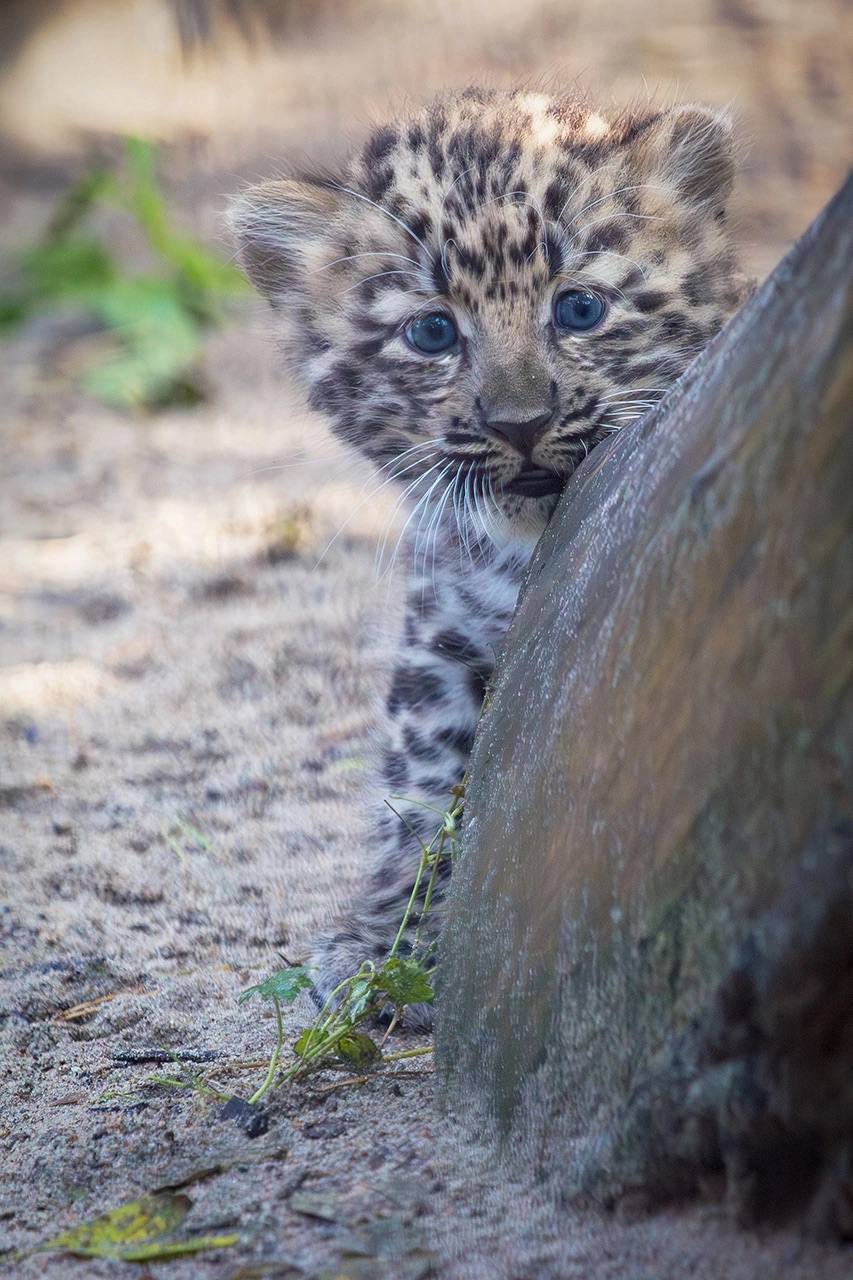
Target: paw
336	957
418	1018
339	955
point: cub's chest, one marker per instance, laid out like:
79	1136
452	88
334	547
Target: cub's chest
482	598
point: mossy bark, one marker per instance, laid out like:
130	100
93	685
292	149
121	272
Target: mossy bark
656	882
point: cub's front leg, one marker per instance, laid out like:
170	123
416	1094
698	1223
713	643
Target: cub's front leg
431	711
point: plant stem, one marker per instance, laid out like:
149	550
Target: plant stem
363	994
234	1068
410	904
194	1086
273	1067
407	1053
439	854
391	1025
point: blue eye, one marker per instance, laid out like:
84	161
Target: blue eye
431	333
578	310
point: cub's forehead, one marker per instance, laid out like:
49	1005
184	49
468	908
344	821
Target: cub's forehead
484	180
465	149
478	180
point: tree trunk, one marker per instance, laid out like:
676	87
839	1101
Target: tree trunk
647	973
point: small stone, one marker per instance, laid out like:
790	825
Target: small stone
324	1129
253	1120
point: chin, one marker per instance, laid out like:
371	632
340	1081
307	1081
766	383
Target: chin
520	520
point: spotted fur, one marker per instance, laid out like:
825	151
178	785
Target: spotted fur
484	206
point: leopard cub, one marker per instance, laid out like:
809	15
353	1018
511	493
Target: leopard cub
490	288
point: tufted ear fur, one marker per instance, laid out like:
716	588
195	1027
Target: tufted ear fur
690	151
282	229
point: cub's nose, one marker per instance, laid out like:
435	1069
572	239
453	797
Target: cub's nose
521	436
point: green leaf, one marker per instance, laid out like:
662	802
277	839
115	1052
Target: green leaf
201	275
405	981
73	269
284	985
361	993
157	321
14	309
135	1232
303	1041
358	1049
158	343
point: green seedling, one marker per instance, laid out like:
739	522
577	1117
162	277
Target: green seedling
336	1038
156	320
336	1035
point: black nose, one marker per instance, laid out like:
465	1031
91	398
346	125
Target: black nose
522	435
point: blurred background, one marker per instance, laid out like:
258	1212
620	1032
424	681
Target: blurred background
194	614
191	623
234	87
125	123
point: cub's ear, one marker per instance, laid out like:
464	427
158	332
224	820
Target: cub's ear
690	151
281	230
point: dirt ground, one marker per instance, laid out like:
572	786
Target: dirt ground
187	696
193	635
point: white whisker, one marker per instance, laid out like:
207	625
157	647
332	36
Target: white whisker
460	512
442	502
373	253
426	514
380	550
640	186
387	480
482	511
388	214
399	271
610	253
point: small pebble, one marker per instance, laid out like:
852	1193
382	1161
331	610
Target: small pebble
253	1120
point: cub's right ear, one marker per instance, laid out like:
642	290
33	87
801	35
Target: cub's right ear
281	230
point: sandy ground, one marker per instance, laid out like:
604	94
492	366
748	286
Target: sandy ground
187	697
188	676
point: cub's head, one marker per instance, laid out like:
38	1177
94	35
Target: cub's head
495	284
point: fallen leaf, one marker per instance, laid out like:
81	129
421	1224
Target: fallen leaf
165	1248
135	1232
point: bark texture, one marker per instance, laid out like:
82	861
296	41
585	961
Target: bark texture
647	981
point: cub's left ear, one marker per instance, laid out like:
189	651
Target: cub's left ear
282	230
690	151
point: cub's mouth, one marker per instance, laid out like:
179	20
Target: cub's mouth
535	482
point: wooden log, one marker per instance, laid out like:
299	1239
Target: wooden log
647	971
